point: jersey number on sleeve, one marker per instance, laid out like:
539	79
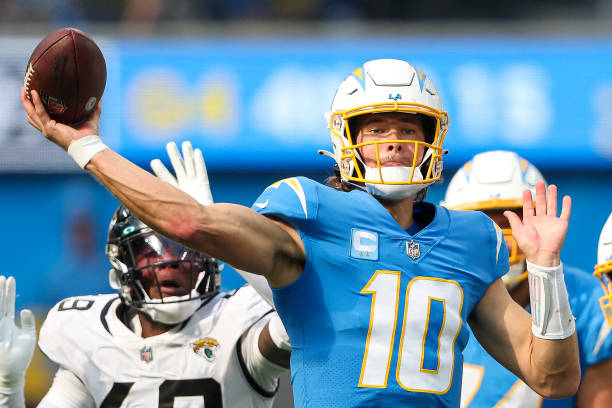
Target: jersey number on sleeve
75	304
431	323
207	388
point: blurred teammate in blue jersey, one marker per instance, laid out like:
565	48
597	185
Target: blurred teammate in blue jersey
374	286
493	182
603	269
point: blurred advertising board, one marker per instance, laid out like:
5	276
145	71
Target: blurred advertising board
258	104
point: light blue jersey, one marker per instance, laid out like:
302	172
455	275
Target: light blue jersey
488	384
378	316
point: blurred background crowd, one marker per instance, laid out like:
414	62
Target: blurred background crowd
248	81
307	10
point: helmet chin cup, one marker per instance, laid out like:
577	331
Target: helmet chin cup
173	310
400	174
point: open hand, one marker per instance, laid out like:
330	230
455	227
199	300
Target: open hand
58	133
16	343
541	234
191	175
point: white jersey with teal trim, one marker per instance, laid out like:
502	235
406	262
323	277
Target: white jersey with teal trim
487	384
196	364
378	317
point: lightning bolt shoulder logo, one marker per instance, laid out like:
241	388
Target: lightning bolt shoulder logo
604	331
262	205
295	185
500	238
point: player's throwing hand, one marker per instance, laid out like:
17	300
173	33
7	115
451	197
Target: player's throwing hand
58	133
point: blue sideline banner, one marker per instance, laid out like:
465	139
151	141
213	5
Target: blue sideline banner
259	104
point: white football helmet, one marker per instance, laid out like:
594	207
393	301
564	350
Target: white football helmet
388	85
603	269
495	181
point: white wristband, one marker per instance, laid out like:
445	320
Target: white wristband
551	315
83	149
278	334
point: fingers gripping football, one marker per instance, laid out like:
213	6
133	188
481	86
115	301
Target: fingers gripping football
190	172
60	134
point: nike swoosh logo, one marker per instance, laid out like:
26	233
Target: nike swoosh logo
261	205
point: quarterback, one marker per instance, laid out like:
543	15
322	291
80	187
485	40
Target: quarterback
493	182
374	286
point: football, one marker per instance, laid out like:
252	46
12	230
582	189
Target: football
68	71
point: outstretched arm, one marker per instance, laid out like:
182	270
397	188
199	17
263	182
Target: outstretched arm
232	233
543	350
16	346
191	176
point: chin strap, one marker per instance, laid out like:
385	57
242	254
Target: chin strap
394	174
552	317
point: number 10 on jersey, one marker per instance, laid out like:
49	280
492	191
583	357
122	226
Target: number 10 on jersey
430	325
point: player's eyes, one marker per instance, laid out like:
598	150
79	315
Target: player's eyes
375	131
149	257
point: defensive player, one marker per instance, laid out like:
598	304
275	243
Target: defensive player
373	288
493	182
169	338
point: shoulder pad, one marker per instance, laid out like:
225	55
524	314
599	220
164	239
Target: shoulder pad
71	327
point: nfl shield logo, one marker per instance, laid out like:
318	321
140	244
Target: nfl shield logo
146	354
413	250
